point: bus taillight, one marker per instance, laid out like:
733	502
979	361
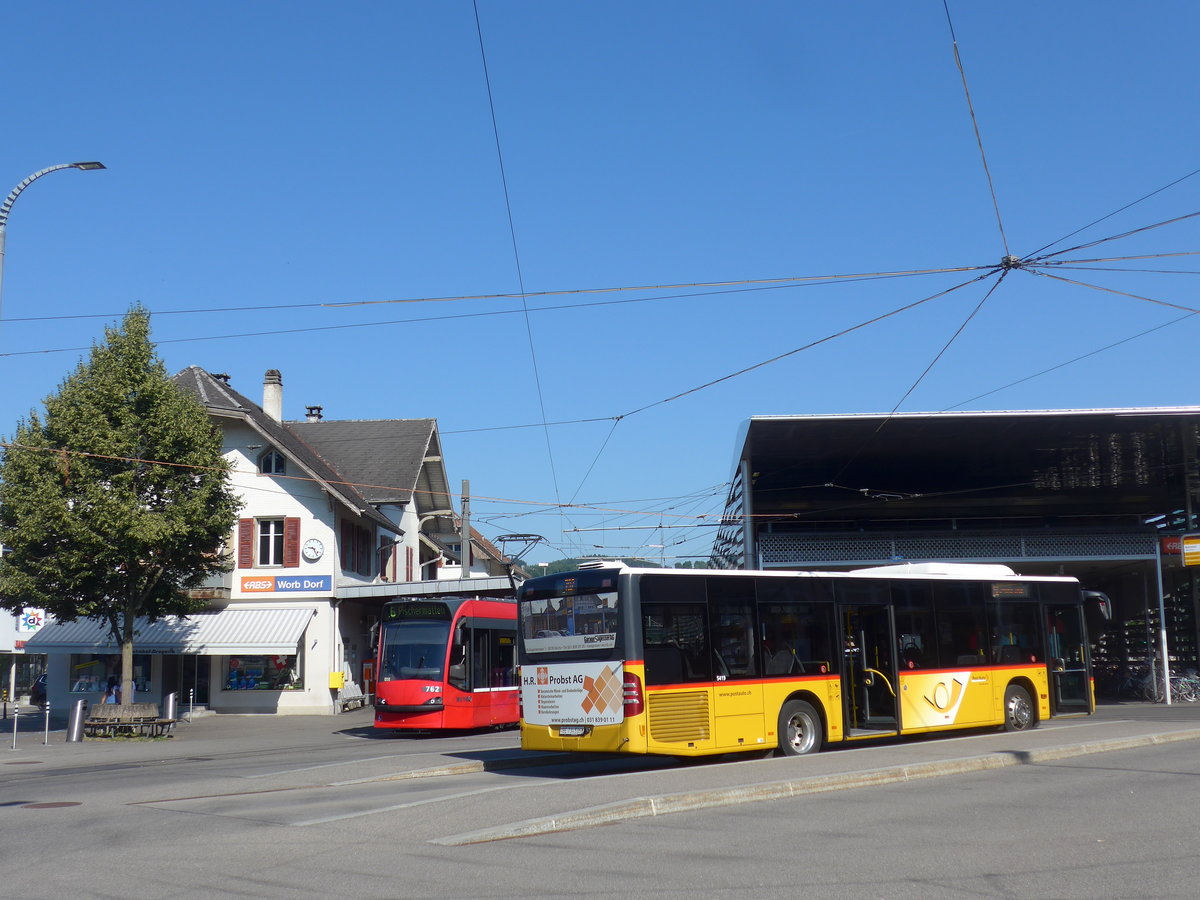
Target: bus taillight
634	703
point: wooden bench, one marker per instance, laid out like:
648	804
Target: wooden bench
112	719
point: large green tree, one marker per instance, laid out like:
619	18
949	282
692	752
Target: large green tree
116	501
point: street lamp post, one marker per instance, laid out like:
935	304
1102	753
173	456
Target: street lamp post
4	208
16	192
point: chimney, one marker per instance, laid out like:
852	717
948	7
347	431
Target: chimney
313	413
273	394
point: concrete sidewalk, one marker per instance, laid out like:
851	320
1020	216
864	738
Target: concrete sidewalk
668	787
845	767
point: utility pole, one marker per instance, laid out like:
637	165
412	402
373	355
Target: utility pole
466	529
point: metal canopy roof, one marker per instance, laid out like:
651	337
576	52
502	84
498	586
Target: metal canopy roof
1001	465
492	587
248	631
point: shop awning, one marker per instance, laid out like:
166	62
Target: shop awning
247	631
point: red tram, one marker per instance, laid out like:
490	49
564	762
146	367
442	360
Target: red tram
447	663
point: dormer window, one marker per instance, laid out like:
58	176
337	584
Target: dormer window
272	463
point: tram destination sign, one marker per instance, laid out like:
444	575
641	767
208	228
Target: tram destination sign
418	610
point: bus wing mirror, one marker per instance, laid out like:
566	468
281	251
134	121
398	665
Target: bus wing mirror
1101	602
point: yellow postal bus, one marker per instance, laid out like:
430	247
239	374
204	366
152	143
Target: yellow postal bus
689	662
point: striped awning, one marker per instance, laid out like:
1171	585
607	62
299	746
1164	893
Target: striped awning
248	631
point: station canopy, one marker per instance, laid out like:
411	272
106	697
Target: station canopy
1096	466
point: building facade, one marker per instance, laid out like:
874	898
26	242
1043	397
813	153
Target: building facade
1105	495
328	507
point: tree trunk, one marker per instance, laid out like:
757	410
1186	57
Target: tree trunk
127	656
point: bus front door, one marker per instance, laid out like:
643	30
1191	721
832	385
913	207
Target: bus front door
1070	687
869	672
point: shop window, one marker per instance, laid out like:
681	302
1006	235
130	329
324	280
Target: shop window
92	672
263	673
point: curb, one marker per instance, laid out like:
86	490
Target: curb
687	801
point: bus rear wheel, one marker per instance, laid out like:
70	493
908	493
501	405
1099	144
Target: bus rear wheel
1018	709
800	729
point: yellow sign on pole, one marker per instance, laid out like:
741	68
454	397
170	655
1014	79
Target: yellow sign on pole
1190	544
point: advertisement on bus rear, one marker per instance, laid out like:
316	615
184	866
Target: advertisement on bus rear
573	694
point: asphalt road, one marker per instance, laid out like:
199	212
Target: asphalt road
305	807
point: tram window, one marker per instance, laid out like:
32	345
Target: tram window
484	658
459	673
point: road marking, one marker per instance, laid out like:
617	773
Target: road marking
371	812
368	759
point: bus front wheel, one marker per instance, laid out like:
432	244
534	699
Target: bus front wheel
1018	709
800	729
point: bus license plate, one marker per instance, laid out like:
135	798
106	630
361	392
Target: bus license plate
572	730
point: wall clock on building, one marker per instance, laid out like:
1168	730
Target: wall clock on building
313	549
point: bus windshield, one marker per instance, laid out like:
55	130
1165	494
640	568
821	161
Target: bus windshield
563	624
413	649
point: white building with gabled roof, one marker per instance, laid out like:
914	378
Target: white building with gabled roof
328	508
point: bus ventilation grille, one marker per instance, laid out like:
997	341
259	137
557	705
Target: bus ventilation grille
677	718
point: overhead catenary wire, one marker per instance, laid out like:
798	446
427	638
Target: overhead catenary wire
1034	260
512	231
1107	290
842	333
504	312
1122	209
878	428
784	281
975	124
1072	361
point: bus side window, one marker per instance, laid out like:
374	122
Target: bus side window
675	637
731	603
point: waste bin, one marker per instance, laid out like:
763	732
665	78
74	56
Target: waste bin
167	710
75	721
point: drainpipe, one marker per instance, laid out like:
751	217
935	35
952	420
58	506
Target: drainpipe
337	652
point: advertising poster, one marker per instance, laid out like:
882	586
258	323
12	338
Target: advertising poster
573	694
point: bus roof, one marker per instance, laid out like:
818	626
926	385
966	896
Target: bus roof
937	570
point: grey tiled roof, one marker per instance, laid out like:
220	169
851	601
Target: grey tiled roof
220	399
383	457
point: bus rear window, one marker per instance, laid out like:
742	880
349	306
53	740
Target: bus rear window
569	623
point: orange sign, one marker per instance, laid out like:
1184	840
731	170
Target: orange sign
1191	549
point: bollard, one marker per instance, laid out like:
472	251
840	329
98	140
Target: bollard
167	709
75	722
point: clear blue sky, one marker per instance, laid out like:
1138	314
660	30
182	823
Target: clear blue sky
289	153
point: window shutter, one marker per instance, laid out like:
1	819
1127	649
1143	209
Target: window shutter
347	548
245	544
291	543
